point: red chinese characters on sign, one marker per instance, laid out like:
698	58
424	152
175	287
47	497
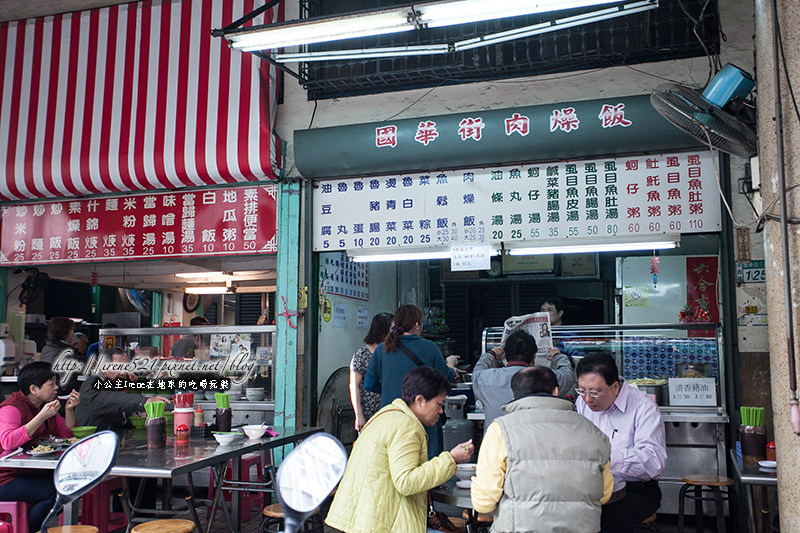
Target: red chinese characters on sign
232	221
564	119
701	292
613	115
517	124
426	132
471	128
386	136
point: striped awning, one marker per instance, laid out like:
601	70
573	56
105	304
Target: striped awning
133	97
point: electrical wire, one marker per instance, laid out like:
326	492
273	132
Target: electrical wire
785	68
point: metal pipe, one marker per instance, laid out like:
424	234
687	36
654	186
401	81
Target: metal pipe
787	272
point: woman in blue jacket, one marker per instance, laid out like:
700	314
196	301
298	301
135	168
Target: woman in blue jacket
401	351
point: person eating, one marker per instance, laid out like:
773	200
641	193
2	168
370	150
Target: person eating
30	415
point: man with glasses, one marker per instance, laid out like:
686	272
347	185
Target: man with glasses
542	464
632	422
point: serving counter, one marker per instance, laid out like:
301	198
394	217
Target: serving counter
684	364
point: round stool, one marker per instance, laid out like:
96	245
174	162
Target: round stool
172	525
648	524
481	521
273	520
73	529
703	485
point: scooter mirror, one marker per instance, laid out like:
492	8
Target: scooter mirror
81	467
308	475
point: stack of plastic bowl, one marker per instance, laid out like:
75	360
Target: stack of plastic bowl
254	394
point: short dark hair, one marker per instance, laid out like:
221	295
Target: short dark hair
556	302
37	373
602	364
378	328
534	380
108	353
520	346
426	381
59	328
199	321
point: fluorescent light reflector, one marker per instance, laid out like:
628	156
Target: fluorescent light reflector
620	244
465	11
218	289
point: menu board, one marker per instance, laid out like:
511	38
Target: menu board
560	201
231	221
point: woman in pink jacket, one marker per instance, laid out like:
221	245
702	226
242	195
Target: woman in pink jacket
27	416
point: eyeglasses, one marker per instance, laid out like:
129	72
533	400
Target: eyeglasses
592	393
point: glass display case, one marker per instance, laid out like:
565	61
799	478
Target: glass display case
230	350
682	368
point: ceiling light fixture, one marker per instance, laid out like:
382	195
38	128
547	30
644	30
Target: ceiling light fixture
200	275
613	244
469	44
216	289
393	20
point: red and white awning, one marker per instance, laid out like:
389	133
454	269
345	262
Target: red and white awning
133	97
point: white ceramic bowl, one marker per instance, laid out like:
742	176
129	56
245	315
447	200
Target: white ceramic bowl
255	432
226	438
465	471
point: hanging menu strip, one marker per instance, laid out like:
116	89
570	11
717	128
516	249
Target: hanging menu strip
644	195
231	221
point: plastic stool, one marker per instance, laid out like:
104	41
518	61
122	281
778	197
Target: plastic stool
96	506
273	520
248	499
73	529
699	483
18	512
172	525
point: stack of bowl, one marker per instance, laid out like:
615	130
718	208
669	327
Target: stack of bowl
254	394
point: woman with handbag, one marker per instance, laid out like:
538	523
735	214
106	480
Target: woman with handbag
385	484
403	350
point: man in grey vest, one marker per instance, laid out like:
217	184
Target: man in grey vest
541	467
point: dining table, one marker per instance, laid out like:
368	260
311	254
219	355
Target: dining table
135	460
751	475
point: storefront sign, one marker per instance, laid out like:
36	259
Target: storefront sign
583	200
693	391
232	221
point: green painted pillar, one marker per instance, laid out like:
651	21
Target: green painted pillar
286	381
156	317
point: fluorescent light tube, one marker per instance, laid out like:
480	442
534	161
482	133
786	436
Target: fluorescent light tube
281	35
363	53
219	289
359	256
465	11
199	275
556	25
619	244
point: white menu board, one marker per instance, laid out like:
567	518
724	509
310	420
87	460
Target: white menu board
580	200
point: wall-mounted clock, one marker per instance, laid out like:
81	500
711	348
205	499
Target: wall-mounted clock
191	302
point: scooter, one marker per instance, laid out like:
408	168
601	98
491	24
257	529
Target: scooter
307	476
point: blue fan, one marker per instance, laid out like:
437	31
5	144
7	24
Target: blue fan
139	300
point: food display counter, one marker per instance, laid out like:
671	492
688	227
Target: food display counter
682	368
236	349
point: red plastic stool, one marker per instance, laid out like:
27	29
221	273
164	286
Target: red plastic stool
96	506
249	499
18	512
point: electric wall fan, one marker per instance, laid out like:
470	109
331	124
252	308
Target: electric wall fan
719	115
33	285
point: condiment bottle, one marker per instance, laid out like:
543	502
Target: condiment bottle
198	416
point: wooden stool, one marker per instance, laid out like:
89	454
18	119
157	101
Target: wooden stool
273	520
649	524
73	529
704	484
481	521
172	525
458	522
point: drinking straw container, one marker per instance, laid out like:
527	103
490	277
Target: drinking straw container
753	434
156	429
224	414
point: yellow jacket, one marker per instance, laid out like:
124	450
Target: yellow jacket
385	484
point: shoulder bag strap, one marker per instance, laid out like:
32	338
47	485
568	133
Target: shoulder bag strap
411	355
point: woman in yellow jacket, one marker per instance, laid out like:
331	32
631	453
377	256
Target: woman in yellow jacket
388	475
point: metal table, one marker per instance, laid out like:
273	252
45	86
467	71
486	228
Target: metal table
751	475
135	460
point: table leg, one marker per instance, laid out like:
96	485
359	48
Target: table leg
69	514
698	508
751	510
764	509
223	469
236	496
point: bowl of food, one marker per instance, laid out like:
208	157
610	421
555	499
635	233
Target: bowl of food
83	431
138	421
465	471
226	438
